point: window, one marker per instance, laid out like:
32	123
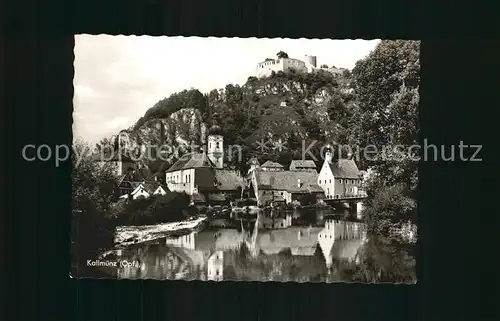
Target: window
217	145
340	181
330	181
320	181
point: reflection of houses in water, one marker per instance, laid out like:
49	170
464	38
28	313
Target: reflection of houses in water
155	262
341	239
196	254
186	241
206	246
300	240
215	266
279	222
207	241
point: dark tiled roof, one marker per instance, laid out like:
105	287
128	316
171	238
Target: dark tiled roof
345	168
135	184
198	198
288	181
121	178
302	164
126	184
191	160
151	187
211	179
228	180
204	178
270	164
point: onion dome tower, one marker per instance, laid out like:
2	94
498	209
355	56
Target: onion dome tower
215	148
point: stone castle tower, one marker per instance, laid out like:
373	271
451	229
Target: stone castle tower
215	146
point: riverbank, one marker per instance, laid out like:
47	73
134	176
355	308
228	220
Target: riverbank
129	235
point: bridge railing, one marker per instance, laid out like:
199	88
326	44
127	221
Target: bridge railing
340	197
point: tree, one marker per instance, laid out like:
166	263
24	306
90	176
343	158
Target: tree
293	142
92	183
385	116
191	98
337	111
153	210
282	54
324	66
386	84
94	189
388	209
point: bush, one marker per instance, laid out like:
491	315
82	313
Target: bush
171	207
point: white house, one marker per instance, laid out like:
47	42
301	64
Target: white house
340	178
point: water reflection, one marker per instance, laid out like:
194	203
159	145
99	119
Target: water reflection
259	251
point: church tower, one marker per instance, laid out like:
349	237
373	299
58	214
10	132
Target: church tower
328	154
215	146
326	239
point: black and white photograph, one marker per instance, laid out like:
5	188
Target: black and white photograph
245	159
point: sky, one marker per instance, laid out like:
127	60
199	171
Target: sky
118	78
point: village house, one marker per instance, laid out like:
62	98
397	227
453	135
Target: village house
202	174
271	183
340	178
270	166
303	165
276	223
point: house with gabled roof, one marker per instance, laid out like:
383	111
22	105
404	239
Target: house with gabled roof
270	166
303	165
286	186
340	178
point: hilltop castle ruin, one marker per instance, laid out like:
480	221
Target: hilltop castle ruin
285	64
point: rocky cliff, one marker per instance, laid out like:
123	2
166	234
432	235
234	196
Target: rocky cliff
280	107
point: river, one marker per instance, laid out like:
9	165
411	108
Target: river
295	248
